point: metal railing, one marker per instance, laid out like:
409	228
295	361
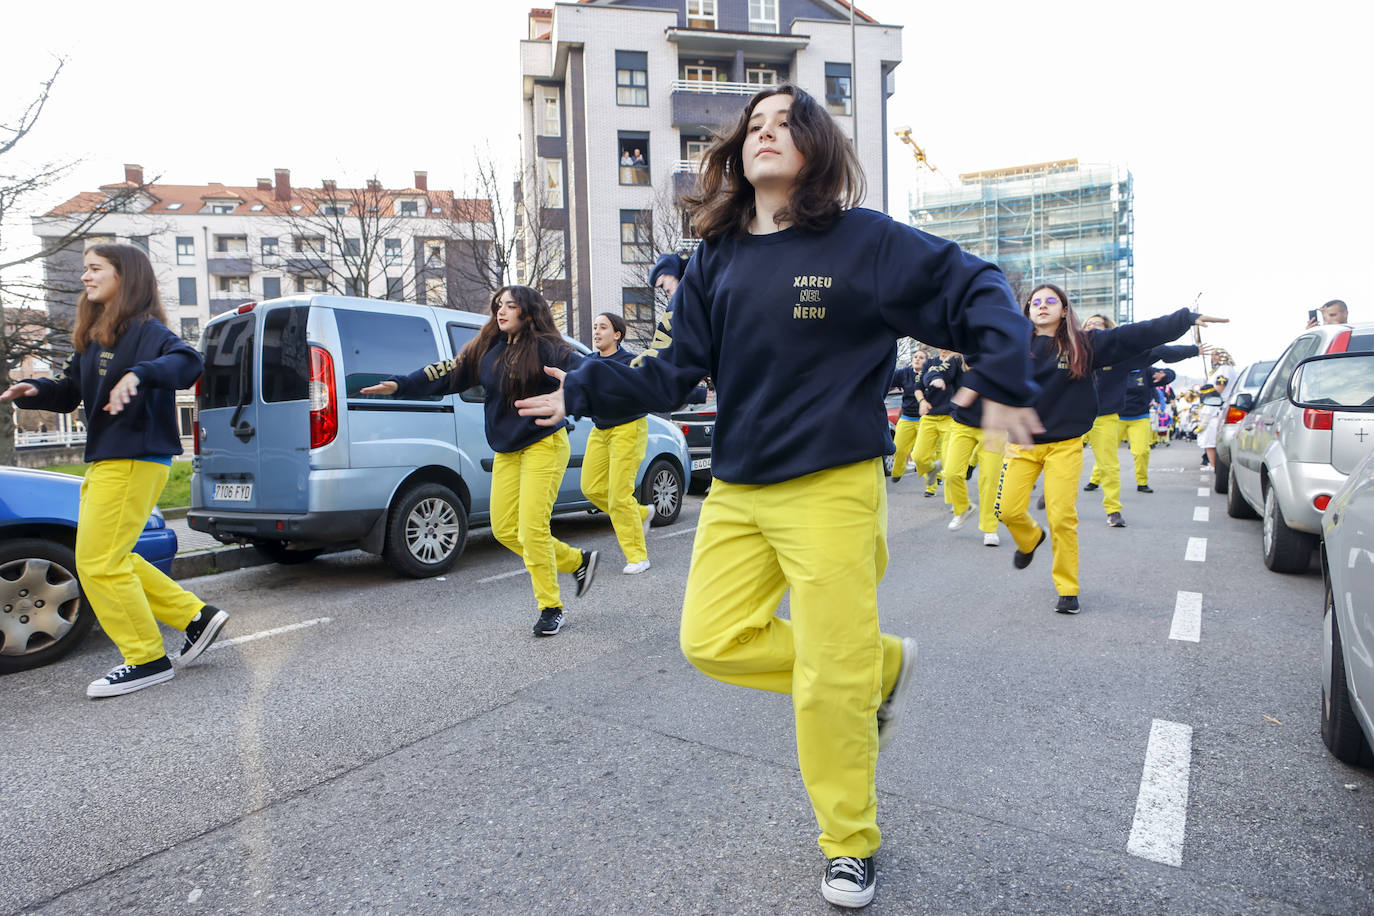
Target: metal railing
715	87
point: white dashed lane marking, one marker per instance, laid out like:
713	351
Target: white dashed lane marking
1201	513
674	534
275	631
1187	625
505	575
1161	808
1197	550
1202	491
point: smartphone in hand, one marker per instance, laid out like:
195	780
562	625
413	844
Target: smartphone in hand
1311	314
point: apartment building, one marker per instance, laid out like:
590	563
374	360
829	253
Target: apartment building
1067	223
216	247
622	97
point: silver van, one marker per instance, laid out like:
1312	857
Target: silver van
292	458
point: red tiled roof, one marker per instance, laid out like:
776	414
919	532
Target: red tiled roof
193	197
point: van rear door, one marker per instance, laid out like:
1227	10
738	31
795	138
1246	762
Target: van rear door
254	413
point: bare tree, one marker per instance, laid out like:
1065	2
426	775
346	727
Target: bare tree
36	280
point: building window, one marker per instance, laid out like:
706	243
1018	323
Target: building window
695	149
353	247
632	78
309	244
309	284
434	253
434	291
700	74
233	288
231	244
553	183
334	209
635	232
395	289
634	157
271	253
190	329
410	208
350	286
271	287
701	14
140	242
555	265
761	76
560	315
551	121
637	305
186	290
838	91
391	251
763	16
186	249
223	208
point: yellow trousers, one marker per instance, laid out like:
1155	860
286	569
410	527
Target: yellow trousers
608	481
823	537
1104	438
1062	464
959	456
524	487
904	439
968	446
1140	435
128	594
931	440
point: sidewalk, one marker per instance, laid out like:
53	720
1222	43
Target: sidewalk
199	554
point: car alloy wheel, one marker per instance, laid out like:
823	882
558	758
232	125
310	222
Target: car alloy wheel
432	530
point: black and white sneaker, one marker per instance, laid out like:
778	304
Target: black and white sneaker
550	621
1067	604
1089	487
124	679
891	709
1115	520
849	881
1144	488
585	573
201	632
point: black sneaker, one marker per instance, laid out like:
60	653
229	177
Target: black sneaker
1144	488
1022	560
585	573
930	493
124	679
201	632
1089	487
1067	604
1040	503
968	475
550	621
890	712
849	881
1115	520
896	478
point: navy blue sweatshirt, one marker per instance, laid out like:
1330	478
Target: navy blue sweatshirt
147	426
506	430
1112	381
799	323
1140	389
951	371
907	380
623	356
1068	406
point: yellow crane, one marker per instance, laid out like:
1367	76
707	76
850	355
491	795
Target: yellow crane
904	134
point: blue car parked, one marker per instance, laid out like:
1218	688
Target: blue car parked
43	614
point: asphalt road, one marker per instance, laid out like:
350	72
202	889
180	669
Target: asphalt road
410	748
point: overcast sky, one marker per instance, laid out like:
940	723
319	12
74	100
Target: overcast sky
1247	125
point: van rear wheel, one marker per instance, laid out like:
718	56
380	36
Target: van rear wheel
426	532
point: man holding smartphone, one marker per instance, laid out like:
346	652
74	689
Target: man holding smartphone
1333	312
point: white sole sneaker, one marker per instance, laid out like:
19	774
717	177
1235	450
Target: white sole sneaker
101	688
634	569
990	539
891	710
958	521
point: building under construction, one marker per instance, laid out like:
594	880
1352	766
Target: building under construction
1059	222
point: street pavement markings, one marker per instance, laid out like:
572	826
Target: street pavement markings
673	534
1197	550
505	575
1187	625
1201	513
275	631
1203	491
1161	808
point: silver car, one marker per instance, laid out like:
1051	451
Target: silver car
1347	555
1288	461
1240	400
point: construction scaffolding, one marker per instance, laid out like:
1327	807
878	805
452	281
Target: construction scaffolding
1055	222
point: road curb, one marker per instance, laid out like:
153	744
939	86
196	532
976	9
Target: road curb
208	562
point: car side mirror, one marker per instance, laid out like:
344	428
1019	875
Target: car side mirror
1212	400
1334	381
1244	402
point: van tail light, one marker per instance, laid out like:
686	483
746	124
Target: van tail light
195	424
686	430
324	402
1322	501
246	307
1313	418
1234	415
1339	344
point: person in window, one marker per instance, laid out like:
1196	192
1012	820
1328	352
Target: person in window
791	273
615	450
1064	357
507	358
126	370
626	158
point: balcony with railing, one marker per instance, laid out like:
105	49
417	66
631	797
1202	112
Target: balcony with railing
707	105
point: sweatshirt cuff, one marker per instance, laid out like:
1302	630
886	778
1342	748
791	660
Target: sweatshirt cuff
575	402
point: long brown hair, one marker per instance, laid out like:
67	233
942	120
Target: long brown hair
522	360
136	299
830	181
1070	338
